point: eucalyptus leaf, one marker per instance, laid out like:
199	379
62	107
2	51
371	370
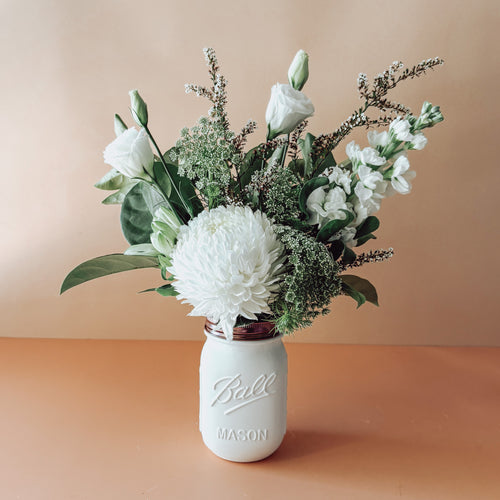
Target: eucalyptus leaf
105	265
138	209
118	197
307	189
362	286
111	181
369	225
332	227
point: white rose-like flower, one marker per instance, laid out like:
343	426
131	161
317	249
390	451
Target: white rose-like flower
286	109
130	153
402	175
227	262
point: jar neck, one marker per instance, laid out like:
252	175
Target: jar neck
253	331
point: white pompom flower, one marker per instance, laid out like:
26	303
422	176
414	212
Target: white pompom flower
228	262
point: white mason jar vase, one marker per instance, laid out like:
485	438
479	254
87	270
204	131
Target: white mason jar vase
243	386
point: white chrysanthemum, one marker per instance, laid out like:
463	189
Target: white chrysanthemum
227	262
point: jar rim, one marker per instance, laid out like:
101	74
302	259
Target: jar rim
259	330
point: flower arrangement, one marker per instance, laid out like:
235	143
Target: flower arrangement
269	233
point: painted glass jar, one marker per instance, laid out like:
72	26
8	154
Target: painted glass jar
243	385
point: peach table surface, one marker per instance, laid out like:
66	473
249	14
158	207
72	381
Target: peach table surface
110	419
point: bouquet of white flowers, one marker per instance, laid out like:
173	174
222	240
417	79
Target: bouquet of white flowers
265	234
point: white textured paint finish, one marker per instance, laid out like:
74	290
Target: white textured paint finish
243	397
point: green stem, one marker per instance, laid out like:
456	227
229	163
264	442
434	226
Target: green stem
166	169
285	150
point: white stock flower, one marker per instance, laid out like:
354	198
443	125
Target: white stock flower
418	142
340	177
371	178
400	128
366	156
327	204
286	109
402	175
346	235
378	138
130	153
227	263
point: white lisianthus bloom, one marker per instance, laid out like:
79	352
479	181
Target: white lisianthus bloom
228	263
286	109
400	128
418	142
380	139
402	175
367	156
130	153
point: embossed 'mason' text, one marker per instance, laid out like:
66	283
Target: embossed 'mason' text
242	434
230	390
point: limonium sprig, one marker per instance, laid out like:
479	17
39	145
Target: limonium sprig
269	233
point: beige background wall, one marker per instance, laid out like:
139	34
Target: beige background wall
67	66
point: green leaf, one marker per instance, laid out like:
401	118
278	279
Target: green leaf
118	197
307	189
111	181
321	165
297	167
251	164
102	266
138	209
364	239
349	256
332	227
306	148
357	296
337	249
370	224
184	187
162	179
165	291
361	286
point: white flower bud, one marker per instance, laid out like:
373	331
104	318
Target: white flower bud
139	108
286	109
298	73
165	226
